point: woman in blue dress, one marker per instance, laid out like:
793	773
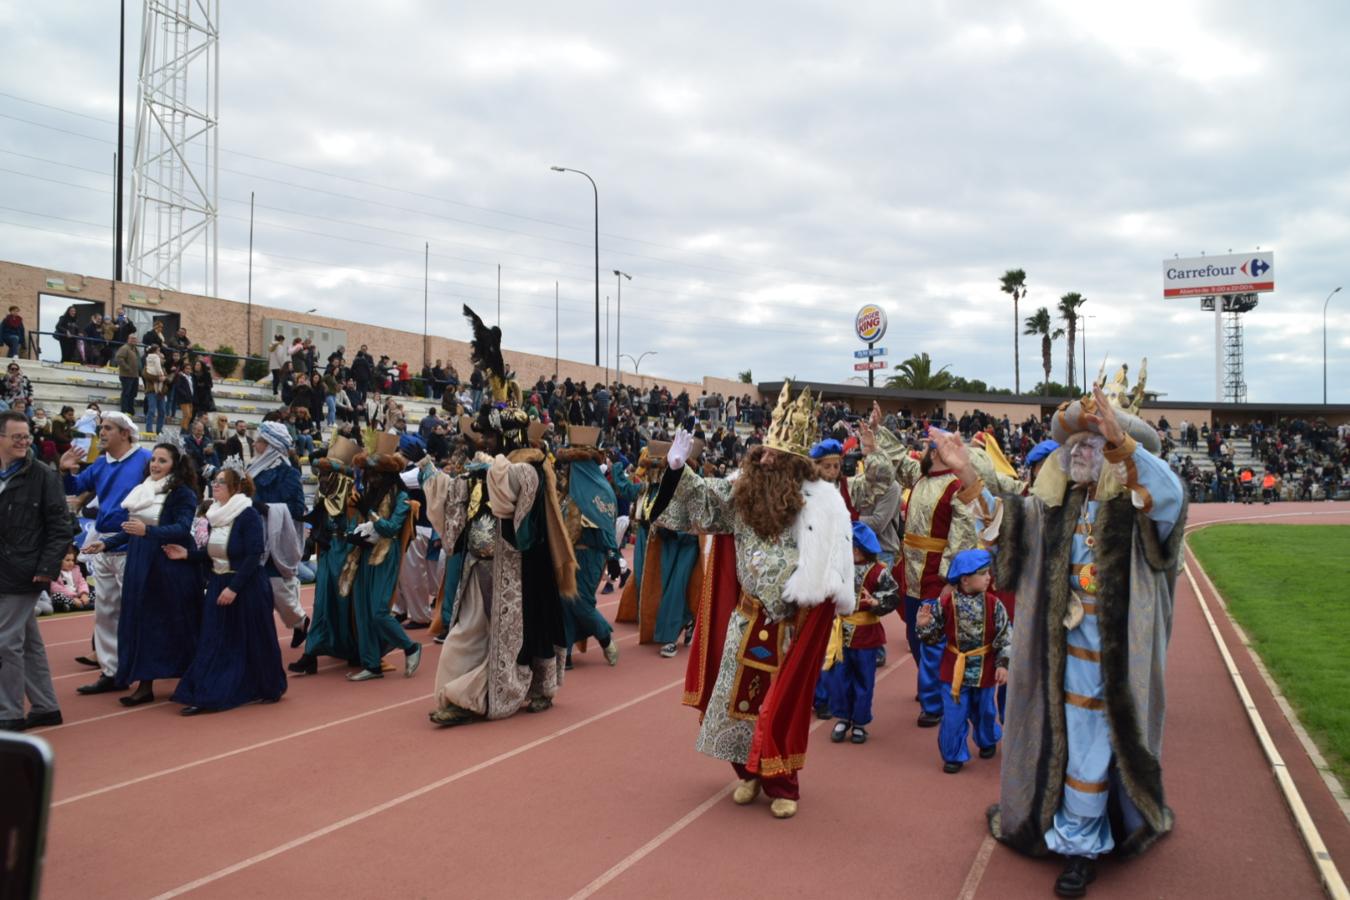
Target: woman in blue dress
237	659
161	597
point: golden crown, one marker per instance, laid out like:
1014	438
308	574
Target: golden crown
793	427
1118	391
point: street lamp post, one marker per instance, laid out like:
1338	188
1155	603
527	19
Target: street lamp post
637	362
596	191
618	321
1324	343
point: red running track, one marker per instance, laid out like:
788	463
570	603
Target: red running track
346	790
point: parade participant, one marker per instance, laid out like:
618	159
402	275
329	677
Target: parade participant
782	561
626	493
505	646
937	527
237	659
277	488
111	477
161	597
667	579
588	508
1094	553
378	527
972	625
1037	456
857	638
420	572
331	630
877	477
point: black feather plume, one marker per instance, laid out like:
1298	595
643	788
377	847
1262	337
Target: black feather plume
486	345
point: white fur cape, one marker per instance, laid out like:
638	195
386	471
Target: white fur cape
824	535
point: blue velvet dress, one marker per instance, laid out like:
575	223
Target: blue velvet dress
238	659
161	597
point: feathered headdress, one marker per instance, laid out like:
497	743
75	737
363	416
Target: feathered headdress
486	352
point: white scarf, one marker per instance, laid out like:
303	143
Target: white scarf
145	495
223	514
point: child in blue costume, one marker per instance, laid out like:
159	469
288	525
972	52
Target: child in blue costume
974	625
851	660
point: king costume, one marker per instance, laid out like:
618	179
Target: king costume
1095	565
505	646
768	607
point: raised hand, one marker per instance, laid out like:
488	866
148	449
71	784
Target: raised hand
174	551
680	446
71	459
1105	418
924	618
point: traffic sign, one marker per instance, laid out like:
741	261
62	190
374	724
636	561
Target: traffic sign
868	352
865	366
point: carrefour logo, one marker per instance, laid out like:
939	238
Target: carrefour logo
870	323
1258	267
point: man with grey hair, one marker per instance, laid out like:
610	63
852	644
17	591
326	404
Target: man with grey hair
111	477
35	528
1094	553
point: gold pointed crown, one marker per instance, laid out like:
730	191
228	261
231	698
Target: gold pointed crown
793	427
1117	390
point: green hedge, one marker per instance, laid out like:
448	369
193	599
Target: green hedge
224	361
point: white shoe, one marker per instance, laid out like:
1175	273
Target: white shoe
412	662
783	808
612	652
745	792
364	675
668	650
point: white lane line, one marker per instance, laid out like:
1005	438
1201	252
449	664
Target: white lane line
680	824
64	617
976	873
411	795
327	668
1312	838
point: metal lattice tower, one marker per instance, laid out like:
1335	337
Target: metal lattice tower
1231	306
174	182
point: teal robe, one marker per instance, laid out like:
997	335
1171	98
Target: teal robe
377	632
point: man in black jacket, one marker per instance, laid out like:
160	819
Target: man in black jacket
35	530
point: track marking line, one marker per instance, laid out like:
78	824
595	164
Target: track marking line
1312	838
411	795
976	873
681	823
64	617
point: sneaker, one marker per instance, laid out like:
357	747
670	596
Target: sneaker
612	653
364	675
668	650
414	659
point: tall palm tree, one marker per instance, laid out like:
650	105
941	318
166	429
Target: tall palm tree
1068	311
1040	324
916	374
1015	283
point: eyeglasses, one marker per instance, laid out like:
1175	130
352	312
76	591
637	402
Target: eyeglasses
18	437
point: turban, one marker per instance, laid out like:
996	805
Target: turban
276	436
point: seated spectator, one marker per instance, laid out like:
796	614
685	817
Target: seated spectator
12	332
16	385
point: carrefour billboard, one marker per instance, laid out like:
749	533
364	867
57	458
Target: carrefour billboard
1204	276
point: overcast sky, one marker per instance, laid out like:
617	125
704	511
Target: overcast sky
764	169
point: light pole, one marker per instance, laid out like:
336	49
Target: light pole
1324	343
637	362
618	321
596	190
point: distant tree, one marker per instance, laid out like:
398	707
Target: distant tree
1068	311
1039	324
1014	282
916	374
1055	389
745	377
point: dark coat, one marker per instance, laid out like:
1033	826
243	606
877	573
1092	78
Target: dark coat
35	527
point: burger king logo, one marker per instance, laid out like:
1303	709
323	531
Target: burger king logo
870	323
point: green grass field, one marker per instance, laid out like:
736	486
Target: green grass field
1288	586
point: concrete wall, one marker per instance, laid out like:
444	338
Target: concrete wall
1016	412
1195	416
214	322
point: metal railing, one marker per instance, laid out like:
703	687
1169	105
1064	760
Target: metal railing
34	349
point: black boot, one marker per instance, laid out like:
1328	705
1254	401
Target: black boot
1079	872
305	665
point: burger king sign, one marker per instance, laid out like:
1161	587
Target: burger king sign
870	323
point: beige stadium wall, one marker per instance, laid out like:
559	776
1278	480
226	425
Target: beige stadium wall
1193	416
1016	412
214	322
